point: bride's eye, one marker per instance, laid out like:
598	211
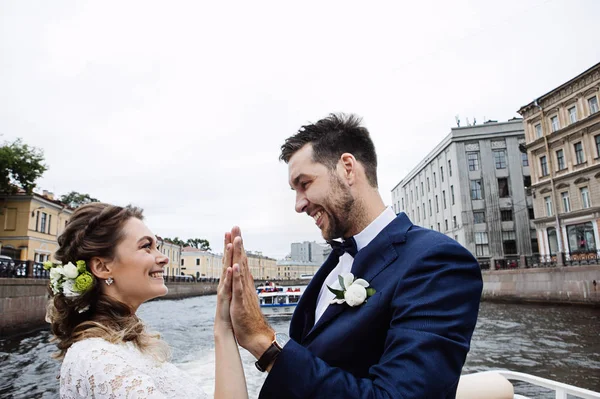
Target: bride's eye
147	246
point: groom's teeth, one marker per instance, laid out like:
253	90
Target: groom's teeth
317	216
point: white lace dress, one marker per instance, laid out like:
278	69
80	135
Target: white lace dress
95	368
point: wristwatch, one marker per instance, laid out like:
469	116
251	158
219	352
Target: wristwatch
272	352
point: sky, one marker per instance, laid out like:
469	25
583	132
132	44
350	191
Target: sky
181	107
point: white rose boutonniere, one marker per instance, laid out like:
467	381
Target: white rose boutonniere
354	292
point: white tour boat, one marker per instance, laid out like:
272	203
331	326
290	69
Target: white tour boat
278	301
495	384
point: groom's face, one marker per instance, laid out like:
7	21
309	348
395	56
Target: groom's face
320	193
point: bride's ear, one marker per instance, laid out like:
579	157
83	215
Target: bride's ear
99	268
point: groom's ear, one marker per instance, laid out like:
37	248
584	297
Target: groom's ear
348	166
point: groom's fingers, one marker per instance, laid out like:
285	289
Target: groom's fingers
227	257
237	286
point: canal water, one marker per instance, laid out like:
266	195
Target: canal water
557	342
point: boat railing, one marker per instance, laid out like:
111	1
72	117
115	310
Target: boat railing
562	391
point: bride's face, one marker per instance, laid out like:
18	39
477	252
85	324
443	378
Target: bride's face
137	269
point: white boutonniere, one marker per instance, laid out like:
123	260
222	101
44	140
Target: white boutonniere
354	292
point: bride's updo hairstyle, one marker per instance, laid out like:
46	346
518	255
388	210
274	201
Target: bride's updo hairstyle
95	230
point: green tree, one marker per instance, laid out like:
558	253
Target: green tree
176	241
75	199
199	243
20	166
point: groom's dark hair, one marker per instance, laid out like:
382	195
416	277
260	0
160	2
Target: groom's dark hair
330	138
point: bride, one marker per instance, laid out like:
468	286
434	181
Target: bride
110	265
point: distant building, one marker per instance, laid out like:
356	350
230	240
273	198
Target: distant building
295	270
471	187
173	252
200	263
308	251
562	130
262	267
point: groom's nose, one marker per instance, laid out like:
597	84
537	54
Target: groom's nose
301	202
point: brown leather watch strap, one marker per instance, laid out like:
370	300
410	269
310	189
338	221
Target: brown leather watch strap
268	357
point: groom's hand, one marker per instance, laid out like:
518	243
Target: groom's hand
251	329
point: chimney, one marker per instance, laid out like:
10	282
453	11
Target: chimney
51	196
45	193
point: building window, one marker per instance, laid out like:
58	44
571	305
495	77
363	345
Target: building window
439	228
581	238
428	186
506	215
478	217
418	215
446	223
424	212
597	138
476	191
442	173
524	159
452	193
531	213
416	193
585	197
509	242
593	103
182	260
402	204
434	181
565	200
500	159
43	222
473	161
454	225
422	191
49	223
579	158
552	241
444	197
538	130
548	202
503	187
572	114
560	159
534	242
437	205
197	262
554	123
481	244
544	165
430	213
450	168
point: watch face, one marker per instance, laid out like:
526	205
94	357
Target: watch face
281	339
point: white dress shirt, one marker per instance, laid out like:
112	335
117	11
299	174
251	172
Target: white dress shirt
345	263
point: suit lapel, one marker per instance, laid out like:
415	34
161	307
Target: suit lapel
368	263
303	318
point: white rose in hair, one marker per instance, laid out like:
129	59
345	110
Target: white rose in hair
70	270
55	273
68	286
355	294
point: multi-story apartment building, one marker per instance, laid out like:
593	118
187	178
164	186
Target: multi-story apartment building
201	264
262	267
562	130
309	251
294	270
30	225
471	188
173	252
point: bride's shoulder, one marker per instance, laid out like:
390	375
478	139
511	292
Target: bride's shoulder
91	348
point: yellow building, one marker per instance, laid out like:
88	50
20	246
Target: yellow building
262	267
201	264
295	270
30	225
562	131
173	252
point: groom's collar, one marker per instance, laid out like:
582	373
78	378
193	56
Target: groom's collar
374	228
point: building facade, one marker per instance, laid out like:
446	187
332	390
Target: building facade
471	187
309	251
562	130
173	252
201	264
262	267
296	270
30	226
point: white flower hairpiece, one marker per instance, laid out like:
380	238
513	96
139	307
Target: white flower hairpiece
70	280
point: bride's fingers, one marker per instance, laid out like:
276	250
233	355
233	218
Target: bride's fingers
227	256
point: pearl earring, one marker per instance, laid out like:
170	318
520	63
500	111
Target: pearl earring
109	281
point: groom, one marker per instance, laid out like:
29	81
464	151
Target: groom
410	338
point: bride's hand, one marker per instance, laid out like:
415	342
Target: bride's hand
222	316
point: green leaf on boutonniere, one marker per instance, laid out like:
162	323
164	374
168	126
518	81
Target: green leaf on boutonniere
341	280
370	292
339	294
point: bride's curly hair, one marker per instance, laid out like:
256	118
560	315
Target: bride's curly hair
95	230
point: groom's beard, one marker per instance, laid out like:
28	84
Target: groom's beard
339	210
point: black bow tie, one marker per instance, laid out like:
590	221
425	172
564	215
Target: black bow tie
348	245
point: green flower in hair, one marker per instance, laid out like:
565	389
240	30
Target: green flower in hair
48	265
81	266
84	282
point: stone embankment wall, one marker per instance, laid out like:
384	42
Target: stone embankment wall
569	285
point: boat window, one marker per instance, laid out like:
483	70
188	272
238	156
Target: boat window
268	300
281	300
294	298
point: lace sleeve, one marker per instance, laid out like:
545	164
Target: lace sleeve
107	371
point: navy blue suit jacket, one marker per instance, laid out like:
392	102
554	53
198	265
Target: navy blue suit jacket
409	340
